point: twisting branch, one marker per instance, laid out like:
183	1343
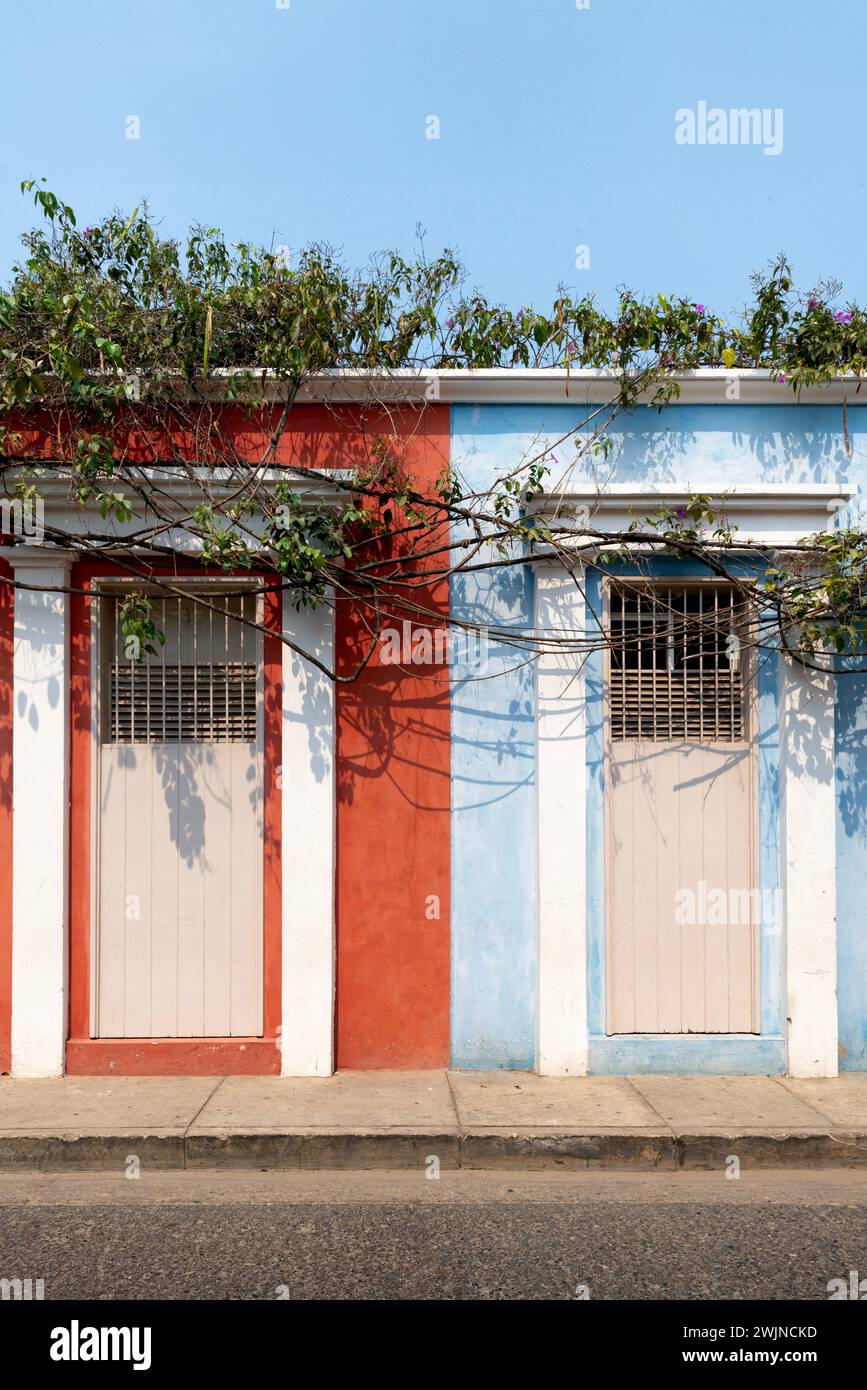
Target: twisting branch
153	389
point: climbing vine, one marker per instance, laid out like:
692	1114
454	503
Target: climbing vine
124	355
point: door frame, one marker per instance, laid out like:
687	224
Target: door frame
751	714
107	587
795	741
87	1054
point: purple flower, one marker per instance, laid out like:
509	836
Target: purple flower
450	323
781	376
699	308
842	316
681	512
88	231
812	303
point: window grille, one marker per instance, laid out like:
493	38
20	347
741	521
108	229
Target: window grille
676	659
200	686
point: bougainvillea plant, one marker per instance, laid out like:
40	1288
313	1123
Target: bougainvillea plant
129	349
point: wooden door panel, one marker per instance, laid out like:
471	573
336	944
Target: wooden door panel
681	818
683	911
179	930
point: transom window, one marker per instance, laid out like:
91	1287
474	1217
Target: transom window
198	686
676	657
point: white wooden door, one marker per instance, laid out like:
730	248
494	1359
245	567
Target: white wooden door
683	906
179	930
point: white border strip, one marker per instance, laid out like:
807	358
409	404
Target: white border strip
562	1041
308	837
40	814
809	842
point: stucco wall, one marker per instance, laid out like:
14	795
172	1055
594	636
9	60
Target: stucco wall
695	447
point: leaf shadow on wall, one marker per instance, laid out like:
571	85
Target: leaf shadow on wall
393	721
494	701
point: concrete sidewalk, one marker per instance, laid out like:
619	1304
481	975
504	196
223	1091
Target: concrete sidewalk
402	1119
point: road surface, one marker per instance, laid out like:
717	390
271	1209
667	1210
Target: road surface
466	1235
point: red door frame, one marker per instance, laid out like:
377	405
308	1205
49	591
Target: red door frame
87	1056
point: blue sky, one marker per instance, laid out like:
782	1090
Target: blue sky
556	125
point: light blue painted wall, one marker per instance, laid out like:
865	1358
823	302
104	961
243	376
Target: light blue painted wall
494	834
493	916
493	759
695	445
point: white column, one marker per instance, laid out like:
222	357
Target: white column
307	1025
562	1043
809	870
40	814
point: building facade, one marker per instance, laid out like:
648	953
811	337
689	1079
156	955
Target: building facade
642	857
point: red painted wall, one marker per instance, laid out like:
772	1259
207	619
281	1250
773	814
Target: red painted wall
393	779
393	776
393	787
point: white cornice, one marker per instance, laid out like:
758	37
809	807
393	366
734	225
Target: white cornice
768	514
179	486
543	385
27	558
180	491
517	386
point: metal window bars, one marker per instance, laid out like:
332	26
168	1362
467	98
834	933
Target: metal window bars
675	668
197	687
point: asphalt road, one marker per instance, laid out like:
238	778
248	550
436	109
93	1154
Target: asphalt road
264	1236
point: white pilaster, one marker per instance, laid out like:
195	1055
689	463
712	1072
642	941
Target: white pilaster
562	1043
810	866
307	1029
40	813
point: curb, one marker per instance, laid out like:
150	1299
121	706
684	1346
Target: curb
94	1153
797	1149
383	1149
403	1149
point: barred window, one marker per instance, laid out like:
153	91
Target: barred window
199	686
676	663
